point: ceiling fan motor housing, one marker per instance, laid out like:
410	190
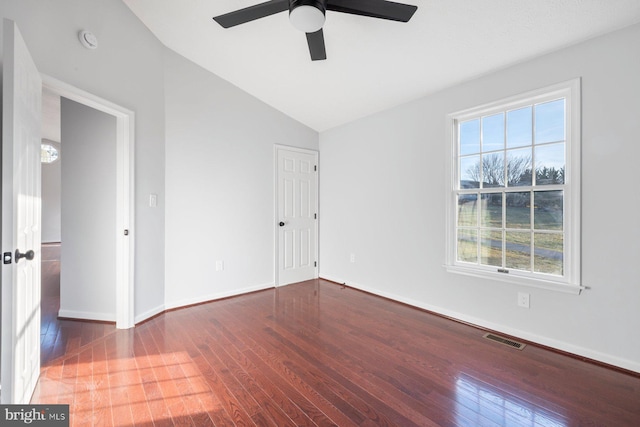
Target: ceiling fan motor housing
307	15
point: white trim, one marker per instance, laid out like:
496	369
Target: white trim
86	315
574	151
519	100
219	295
150	313
276	256
517	333
518	280
125	165
571	280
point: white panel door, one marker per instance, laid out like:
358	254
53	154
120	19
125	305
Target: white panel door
297	181
21	117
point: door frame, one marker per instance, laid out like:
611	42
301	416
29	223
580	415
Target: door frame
276	228
125	200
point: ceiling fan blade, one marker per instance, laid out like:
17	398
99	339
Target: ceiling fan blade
252	13
374	8
316	45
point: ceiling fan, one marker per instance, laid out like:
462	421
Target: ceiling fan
309	16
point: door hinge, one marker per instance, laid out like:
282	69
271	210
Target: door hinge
126	232
315	263
6	258
315	168
315	216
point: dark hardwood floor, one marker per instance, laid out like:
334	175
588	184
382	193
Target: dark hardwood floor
318	354
60	336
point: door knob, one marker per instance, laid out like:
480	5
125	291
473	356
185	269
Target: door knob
29	255
281	224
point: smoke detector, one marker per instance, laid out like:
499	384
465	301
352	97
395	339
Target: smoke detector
88	39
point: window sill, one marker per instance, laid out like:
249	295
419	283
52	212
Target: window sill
518	280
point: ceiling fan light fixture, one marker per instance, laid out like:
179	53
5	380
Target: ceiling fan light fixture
307	15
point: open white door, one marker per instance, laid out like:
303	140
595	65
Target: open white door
297	214
21	117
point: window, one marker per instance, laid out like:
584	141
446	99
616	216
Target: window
514	200
49	153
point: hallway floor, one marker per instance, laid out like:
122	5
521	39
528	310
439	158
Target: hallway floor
61	336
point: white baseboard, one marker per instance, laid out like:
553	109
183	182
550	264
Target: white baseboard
86	315
197	300
211	297
518	333
149	314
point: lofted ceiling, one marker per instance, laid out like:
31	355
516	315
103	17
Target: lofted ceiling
373	64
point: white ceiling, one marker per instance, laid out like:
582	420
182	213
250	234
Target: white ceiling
373	64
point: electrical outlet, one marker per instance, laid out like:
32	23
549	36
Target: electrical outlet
352	258
523	299
219	265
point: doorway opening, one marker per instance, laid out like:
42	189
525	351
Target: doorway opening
123	252
61	330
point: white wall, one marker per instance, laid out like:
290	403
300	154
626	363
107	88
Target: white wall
219	184
88	265
51	201
126	69
51	171
382	193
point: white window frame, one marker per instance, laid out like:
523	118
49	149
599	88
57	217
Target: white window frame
570	282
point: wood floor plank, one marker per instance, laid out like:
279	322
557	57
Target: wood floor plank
298	384
274	414
298	409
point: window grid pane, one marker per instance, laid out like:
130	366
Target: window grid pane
519	127
493	132
469	137
491	210
467	245
550	121
467	210
491	248
548	253
518	250
548	210
519	167
493	170
550	164
518	210
469	172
